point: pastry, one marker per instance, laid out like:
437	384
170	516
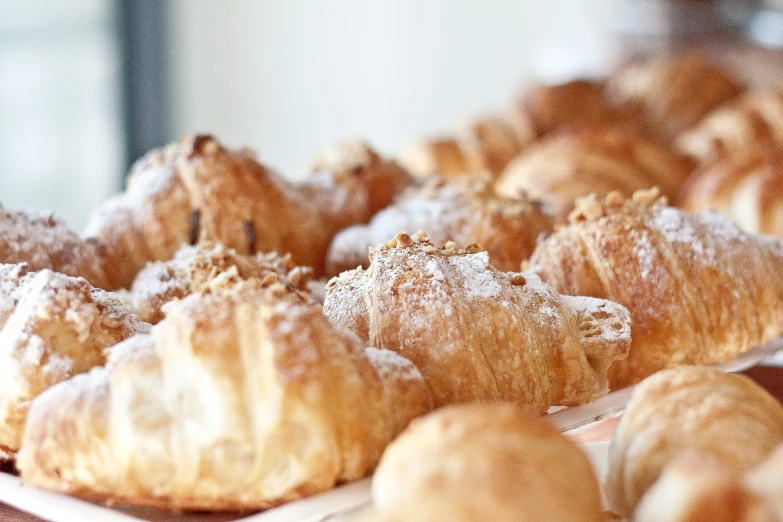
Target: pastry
45	242
750	120
463	211
689	410
671	93
699	289
243	398
477	333
482	147
52	327
747	187
193	268
198	188
482	462
566	166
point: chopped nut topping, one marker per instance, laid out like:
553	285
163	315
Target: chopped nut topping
518	280
587	208
403	240
269	279
647	197
614	199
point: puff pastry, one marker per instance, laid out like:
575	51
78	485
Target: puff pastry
566	166
752	119
690	410
480	462
699	289
465	211
244	397
477	333
45	242
193	268
747	187
198	188
52	327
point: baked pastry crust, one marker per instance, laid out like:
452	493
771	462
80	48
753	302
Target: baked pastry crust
243	398
199	189
699	289
464	211
724	417
477	333
52	327
194	268
485	461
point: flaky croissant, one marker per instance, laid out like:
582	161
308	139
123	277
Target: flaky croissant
194	268
750	120
483	146
482	462
52	327
197	188
477	333
699	289
463	211
244	397
566	166
746	186
45	242
689	410
671	93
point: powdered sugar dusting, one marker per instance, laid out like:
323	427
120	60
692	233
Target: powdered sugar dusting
478	281
390	364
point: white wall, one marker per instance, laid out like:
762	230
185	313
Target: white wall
291	77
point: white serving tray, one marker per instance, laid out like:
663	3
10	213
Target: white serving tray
343	503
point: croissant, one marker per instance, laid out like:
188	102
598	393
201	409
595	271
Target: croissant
464	211
747	187
671	93
752	119
483	146
52	327
699	289
193	269
477	333
198	188
726	417
566	166
45	242
485	462
244	397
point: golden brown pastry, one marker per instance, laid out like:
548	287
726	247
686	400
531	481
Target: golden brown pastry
464	211
750	120
671	93
45	242
699	289
193	268
566	166
52	327
482	462
197	188
244	397
747	187
481	147
687	410
477	333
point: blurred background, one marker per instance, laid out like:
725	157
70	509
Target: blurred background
87	86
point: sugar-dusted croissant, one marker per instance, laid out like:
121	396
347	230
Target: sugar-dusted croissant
700	290
52	327
671	93
242	398
726	417
477	333
484	146
486	461
566	166
45	242
750	120
198	188
746	187
193	269
464	211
